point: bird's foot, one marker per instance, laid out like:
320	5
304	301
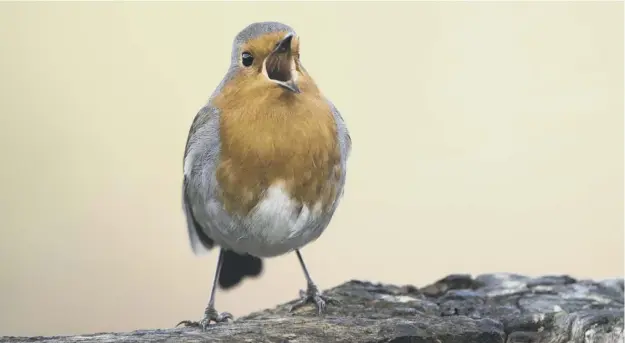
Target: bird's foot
209	315
312	294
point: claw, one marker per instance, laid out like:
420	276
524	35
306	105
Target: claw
312	294
186	323
210	315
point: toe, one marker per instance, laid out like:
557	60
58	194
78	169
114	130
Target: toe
321	305
205	325
331	300
188	323
223	317
299	303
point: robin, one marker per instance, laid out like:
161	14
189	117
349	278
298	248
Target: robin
264	163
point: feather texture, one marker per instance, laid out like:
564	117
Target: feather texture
264	169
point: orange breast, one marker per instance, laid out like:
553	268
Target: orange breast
269	135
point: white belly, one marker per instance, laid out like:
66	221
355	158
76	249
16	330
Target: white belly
275	226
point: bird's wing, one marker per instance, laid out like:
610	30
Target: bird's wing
345	145
200	160
345	140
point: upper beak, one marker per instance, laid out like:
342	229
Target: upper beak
284	46
279	65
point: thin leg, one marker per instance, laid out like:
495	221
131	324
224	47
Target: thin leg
312	293
210	313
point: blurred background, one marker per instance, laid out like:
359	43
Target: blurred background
487	137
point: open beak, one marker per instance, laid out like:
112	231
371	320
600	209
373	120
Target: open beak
280	66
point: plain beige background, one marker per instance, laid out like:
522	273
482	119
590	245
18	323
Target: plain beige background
487	137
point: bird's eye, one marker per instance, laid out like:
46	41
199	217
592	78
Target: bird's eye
247	59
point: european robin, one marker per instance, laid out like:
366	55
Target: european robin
264	163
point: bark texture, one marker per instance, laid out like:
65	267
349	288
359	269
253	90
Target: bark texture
506	308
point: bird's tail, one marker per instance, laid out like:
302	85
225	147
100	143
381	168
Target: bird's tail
235	267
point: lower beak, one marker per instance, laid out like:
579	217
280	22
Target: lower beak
279	65
290	85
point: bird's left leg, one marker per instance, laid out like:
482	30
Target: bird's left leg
312	293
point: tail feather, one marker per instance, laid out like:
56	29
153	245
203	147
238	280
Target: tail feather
235	267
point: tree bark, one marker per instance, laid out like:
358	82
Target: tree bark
505	308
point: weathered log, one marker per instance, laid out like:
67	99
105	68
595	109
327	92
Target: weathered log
489	308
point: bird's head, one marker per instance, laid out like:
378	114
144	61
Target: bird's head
265	57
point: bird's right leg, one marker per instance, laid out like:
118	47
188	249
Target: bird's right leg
210	314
